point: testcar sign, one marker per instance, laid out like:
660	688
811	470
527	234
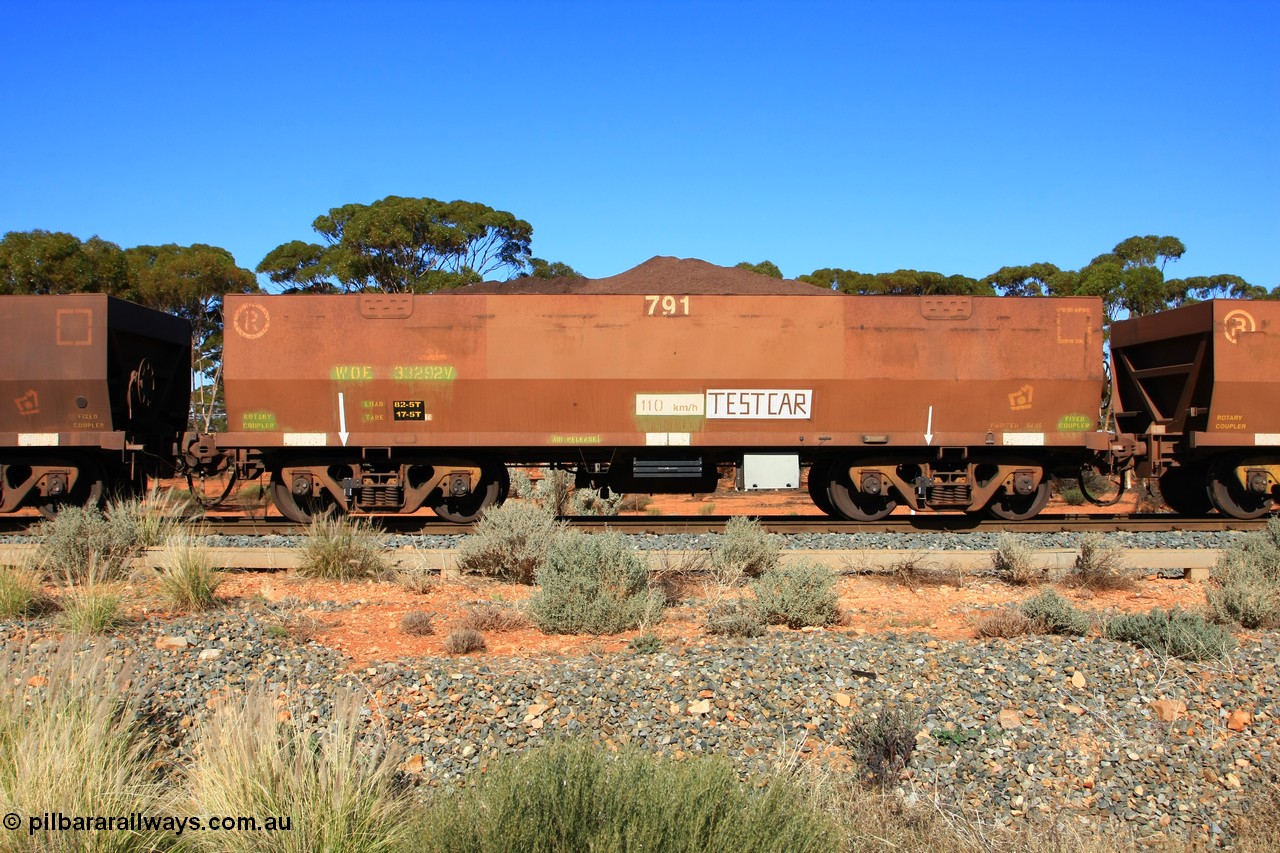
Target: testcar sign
764	403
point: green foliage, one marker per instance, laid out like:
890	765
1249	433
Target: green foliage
403	245
76	744
734	619
511	541
1069	491
551	269
884	743
593	584
900	283
744	549
38	262
1050	613
796	595
80	540
1246	581
340	548
574	796
768	268
1174	633
188	578
336	782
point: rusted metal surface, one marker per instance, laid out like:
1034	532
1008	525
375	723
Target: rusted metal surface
1201	385
400	395
89	386
550	372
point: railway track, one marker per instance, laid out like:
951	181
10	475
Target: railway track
667	525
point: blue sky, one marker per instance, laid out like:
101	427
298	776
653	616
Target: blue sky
955	137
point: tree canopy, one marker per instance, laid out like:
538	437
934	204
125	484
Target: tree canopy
402	245
768	268
38	262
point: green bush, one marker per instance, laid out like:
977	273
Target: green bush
1246	581
573	796
1173	633
79	538
744	549
1050	613
593	584
1069	491
340	548
799	594
511	541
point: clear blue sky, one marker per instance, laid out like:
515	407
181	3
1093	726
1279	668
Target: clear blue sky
948	136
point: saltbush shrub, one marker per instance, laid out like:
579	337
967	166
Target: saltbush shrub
81	537
734	619
593	584
1245	585
1014	560
1099	566
1050	613
744	549
1174	633
511	541
417	623
464	641
796	595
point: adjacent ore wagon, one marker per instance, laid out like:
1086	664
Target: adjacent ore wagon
94	393
1200	387
387	403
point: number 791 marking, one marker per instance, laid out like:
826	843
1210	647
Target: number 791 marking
668	306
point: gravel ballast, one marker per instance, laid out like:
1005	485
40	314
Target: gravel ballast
1034	729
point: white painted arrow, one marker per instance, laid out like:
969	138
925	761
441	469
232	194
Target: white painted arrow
928	430
342	419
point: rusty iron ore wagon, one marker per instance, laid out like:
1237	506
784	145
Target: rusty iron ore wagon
388	403
94	392
1197	386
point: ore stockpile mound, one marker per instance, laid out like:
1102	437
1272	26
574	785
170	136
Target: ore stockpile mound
677	276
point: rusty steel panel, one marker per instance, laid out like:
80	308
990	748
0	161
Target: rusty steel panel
546	371
75	367
1210	370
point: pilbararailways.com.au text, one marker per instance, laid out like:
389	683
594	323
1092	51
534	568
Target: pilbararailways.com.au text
139	822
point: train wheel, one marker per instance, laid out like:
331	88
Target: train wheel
1231	497
301	509
1185	491
853	503
1015	507
91	485
490	491
819	480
